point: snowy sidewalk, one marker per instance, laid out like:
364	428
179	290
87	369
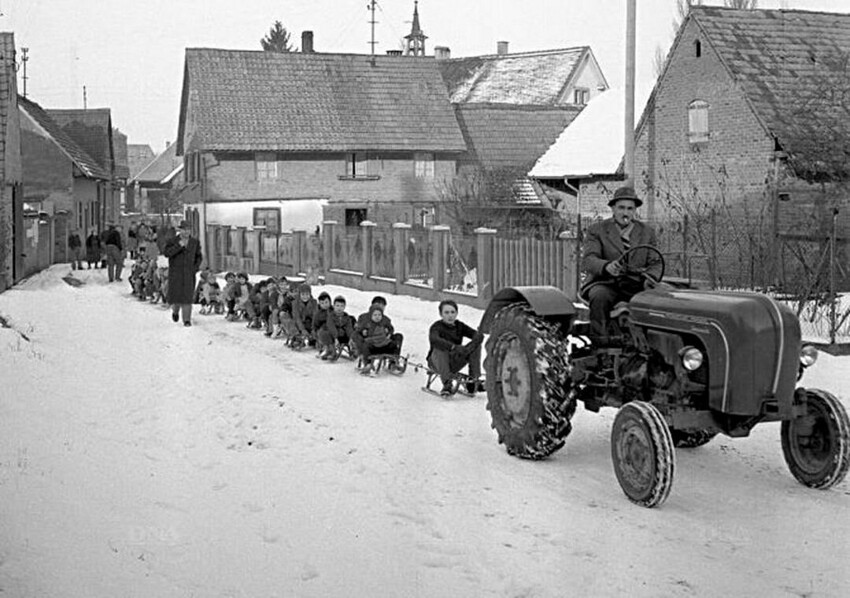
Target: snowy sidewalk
142	458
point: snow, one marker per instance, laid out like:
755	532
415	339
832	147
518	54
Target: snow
592	144
142	458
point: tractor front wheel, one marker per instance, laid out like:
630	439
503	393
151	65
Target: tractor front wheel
529	390
817	446
643	454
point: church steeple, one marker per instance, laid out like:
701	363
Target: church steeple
415	42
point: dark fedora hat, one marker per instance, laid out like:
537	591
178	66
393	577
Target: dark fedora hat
626	193
184	224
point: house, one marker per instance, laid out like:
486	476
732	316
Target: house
13	231
156	186
139	155
268	139
60	180
749	110
91	129
511	108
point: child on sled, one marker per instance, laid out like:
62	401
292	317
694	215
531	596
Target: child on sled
448	355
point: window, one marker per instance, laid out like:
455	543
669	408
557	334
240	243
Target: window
266	164
581	96
268	217
698	48
353	217
423	165
80	223
361	165
189	165
698	122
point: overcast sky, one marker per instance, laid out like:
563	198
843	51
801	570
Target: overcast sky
129	53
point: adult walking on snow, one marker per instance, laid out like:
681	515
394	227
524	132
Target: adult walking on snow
75	246
114	253
184	259
93	250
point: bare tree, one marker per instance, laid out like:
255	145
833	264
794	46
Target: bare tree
741	4
659	61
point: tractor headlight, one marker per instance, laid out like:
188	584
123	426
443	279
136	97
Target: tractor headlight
808	355
692	358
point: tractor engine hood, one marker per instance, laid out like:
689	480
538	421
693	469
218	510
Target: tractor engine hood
751	344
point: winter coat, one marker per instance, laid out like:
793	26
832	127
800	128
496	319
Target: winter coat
339	325
445	337
603	244
374	334
183	264
303	314
112	237
92	248
74	241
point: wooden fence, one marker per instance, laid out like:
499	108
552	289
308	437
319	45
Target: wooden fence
427	263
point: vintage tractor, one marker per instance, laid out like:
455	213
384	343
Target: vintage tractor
680	364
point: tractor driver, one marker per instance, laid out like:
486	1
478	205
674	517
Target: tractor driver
605	244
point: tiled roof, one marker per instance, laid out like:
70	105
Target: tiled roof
91	129
87	165
119	146
789	63
242	100
139	155
525	78
509	136
160	167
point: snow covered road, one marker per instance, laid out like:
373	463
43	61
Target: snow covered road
141	458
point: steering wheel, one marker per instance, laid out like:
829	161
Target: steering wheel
641	273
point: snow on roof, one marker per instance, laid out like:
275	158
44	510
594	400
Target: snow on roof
592	144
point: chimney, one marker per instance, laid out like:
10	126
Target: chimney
306	42
442	52
394	52
501	48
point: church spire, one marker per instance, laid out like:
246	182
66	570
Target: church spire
415	42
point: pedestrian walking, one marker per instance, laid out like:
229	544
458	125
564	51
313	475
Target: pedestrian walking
114	253
93	250
184	260
75	246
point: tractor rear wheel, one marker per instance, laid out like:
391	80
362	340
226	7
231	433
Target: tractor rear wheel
529	390
817	446
643	454
691	438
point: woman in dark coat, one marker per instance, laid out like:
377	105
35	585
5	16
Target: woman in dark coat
184	260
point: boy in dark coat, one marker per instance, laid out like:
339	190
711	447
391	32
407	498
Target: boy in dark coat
448	355
374	334
303	311
184	258
337	331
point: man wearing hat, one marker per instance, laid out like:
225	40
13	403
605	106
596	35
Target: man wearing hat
184	260
604	245
114	252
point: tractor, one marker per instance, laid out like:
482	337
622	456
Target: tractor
680	364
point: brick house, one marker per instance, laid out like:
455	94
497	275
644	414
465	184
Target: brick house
91	129
12	231
748	111
269	139
59	178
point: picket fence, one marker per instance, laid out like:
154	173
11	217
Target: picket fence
430	263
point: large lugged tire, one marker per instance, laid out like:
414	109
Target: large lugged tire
529	393
817	446
691	438
643	454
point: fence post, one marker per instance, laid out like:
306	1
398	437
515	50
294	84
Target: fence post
401	234
328	239
367	229
440	234
256	241
484	238
300	241
572	271
240	245
212	252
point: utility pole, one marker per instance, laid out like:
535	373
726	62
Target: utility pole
371	7
629	125
85	101
24	59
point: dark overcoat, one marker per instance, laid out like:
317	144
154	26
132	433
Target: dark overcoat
183	264
602	244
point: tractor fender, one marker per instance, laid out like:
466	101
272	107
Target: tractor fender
548	302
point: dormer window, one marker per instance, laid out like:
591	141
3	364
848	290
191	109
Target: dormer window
698	121
581	96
